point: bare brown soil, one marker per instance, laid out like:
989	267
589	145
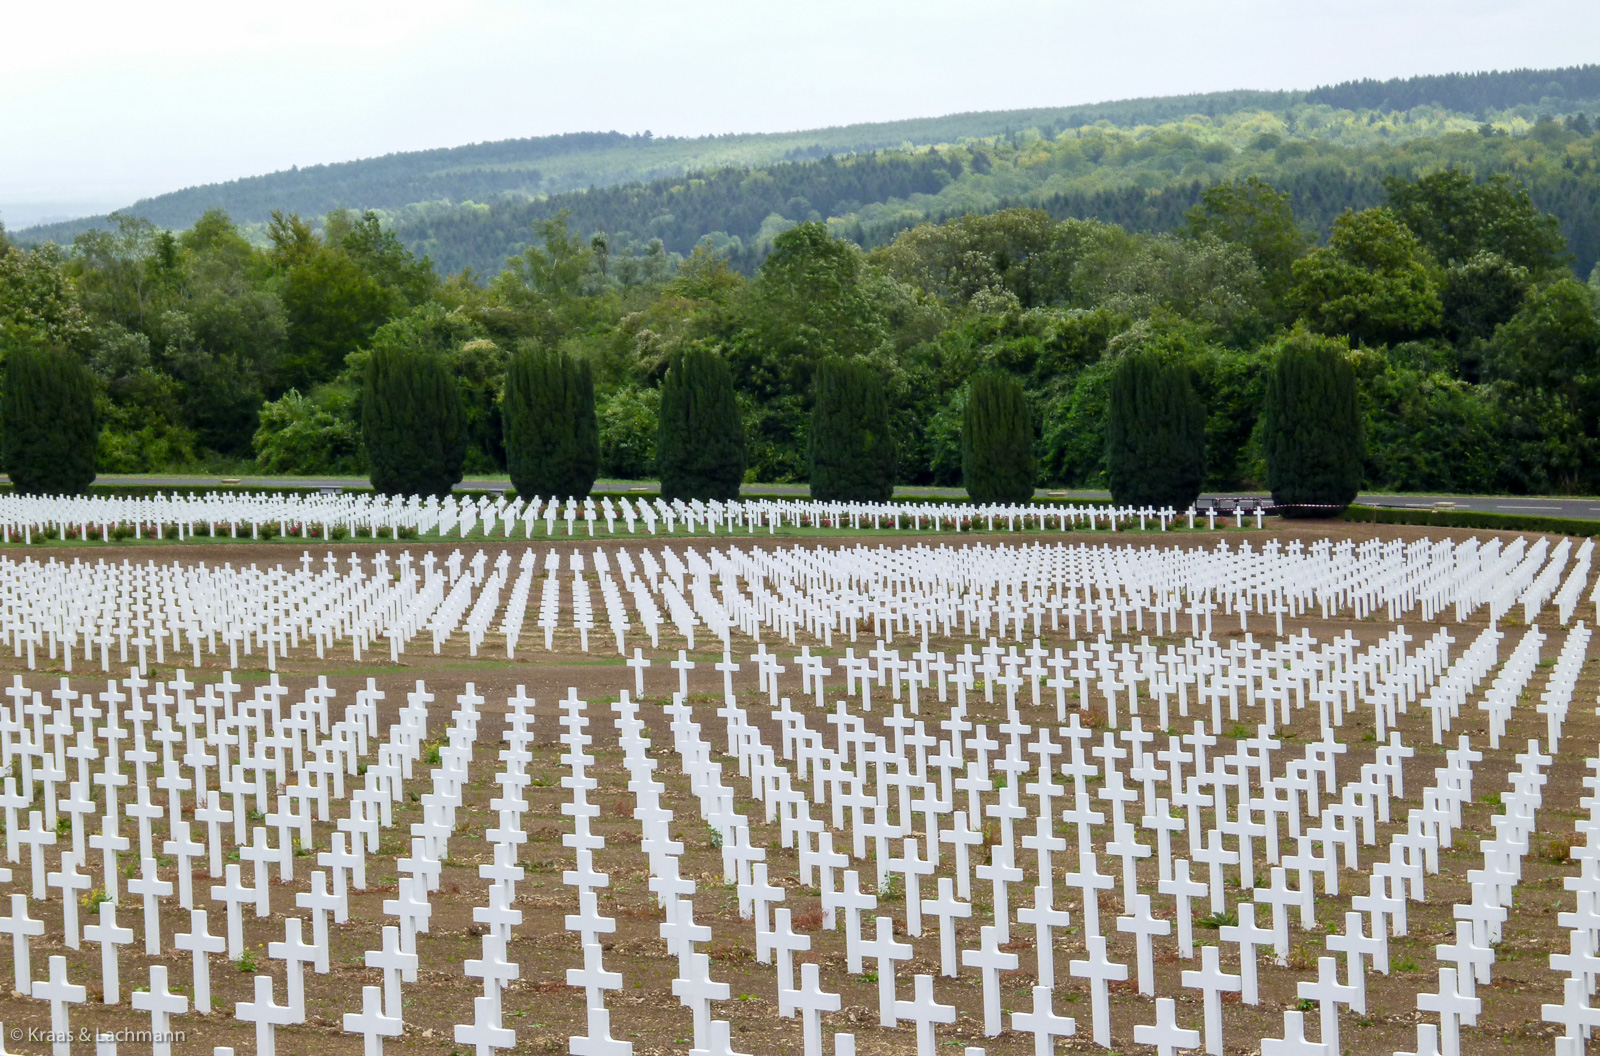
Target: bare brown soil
544	1011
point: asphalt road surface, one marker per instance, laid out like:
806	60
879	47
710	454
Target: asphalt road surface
1580	508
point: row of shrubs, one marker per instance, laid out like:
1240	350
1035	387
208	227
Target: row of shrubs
415	429
1479	519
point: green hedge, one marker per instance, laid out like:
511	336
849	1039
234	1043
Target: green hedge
1445	518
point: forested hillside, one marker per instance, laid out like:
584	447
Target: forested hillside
1139	162
1475	345
1449	259
520	169
1144	179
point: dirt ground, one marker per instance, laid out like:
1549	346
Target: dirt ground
545	1012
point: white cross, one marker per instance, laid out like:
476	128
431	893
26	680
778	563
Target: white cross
36	836
1355	946
990	961
162	1005
202	944
109	936
60	993
786	943
320	901
597	1042
266	1015
1428	1041
498	914
1329	994
69	881
412	908
1574	1012
1045	918
638	663
1091	881
296	955
261	854
1099	971
396	965
373	1025
1293	1042
592	977
1184	890
1248	935
924	1012
484	1033
1212	982
886	951
1466	953
233	892
854	902
695	990
811	1001
1165	1034
1043	1023
20	927
1453	1008
184	848
946	908
152	888
1143	926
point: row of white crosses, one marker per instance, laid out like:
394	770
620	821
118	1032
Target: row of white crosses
1281	797
145	611
1580	965
1007	588
1348	818
1479	922
743	865
249	746
1506	689
1424	828
233	514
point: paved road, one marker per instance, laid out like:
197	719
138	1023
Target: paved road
1579	508
1539	506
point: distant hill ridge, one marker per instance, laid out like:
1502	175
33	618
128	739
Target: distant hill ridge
572	161
519	180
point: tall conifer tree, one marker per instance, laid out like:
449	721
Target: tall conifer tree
852	449
412	422
997	463
51	428
1312	427
1155	433
552	436
700	436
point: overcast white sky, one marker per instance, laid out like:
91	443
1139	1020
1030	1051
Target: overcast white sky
105	101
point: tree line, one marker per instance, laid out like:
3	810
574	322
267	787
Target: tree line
1471	347
1144	179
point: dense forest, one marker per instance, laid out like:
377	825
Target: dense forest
473	206
519	169
1144	180
1474	343
1450	258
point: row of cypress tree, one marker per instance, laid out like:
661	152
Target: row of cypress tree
1311	431
415	428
